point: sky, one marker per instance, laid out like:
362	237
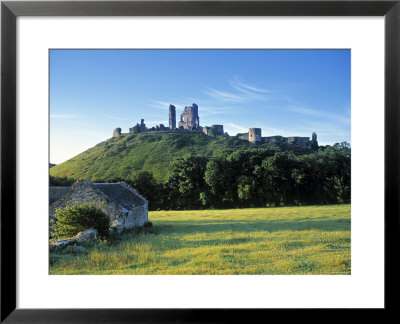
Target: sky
283	92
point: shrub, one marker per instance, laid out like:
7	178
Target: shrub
61	181
148	224
136	129
79	217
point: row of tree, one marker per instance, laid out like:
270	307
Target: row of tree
251	178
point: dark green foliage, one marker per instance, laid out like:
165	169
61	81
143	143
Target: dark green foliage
189	170
253	178
136	129
148	224
61	181
211	132
280	138
79	217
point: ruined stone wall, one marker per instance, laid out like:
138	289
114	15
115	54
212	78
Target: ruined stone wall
84	192
269	139
190	117
120	218
275	139
255	135
172	117
218	129
137	216
117	132
303	142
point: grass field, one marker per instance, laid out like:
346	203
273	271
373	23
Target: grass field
285	240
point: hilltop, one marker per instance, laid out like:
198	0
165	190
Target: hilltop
191	170
125	156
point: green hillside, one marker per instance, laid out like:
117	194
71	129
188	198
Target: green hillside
125	156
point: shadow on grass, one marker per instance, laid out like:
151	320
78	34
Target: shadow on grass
165	233
204	226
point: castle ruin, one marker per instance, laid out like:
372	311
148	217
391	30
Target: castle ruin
254	136
190	118
190	121
172	117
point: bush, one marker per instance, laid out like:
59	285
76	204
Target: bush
148	224
79	217
61	181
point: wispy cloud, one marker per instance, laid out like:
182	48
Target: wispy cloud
319	113
160	104
215	110
92	133
114	117
233	129
224	95
206	110
325	130
245	87
157	122
243	92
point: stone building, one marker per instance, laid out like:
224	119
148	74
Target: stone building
190	117
57	192
117	132
172	117
218	130
299	141
190	121
142	125
255	135
125	207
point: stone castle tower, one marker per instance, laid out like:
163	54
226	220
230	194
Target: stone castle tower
172	117
314	141
255	135
190	117
314	137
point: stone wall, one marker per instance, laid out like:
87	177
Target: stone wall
172	117
57	192
120	218
117	132
190	117
303	142
218	129
255	135
275	139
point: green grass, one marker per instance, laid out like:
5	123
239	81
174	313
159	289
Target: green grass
285	240
125	156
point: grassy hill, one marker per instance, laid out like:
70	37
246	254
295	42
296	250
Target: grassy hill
125	156
285	240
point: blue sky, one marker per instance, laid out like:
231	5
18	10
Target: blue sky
283	92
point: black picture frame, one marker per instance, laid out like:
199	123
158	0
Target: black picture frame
10	10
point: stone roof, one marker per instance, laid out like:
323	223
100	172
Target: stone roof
121	194
56	192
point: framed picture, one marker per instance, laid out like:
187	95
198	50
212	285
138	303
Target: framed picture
47	61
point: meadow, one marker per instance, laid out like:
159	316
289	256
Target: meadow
264	241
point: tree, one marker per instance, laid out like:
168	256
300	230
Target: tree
211	132
220	179
148	187
136	129
77	217
187	177
276	176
